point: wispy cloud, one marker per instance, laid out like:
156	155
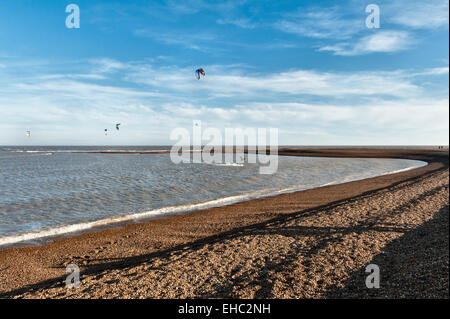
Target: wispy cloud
73	76
241	23
194	6
433	71
345	32
379	42
107	65
188	40
232	83
321	23
65	109
429	14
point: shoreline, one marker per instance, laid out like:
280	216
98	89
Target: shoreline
29	268
45	236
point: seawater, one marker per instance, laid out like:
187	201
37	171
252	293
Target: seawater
48	191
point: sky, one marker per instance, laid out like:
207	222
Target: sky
312	69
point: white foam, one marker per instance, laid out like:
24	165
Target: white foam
58	231
34	154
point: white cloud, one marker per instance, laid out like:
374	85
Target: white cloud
428	14
187	40
220	82
379	42
106	65
79	89
434	71
346	34
241	23
194	6
321	23
381	107
407	121
87	76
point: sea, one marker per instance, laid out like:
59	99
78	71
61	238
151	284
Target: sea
62	190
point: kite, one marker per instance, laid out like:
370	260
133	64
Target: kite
199	72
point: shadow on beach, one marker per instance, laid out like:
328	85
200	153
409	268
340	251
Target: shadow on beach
412	266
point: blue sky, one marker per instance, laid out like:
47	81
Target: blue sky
312	69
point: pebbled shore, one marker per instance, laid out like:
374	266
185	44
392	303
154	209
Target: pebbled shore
310	244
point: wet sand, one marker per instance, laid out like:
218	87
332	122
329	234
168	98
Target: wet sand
309	244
